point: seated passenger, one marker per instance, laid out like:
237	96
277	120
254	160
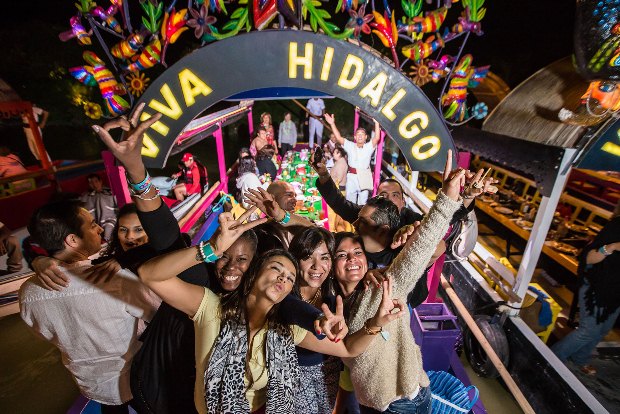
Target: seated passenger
9	245
101	203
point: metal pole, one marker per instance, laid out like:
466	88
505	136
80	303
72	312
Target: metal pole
543	220
378	162
219	144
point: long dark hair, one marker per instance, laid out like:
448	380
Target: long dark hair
305	243
233	304
114	245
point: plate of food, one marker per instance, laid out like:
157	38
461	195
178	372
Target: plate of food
524	224
562	247
577	228
504	210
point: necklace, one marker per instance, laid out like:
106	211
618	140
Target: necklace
314	298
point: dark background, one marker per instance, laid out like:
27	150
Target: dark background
519	39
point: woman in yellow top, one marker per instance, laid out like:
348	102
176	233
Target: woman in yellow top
245	357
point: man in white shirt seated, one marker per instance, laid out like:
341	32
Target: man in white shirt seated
94	324
359	153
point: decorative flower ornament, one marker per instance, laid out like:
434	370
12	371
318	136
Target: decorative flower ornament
137	83
359	21
420	74
480	110
201	21
93	110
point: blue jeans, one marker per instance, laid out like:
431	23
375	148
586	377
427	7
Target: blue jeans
421	404
579	344
164	184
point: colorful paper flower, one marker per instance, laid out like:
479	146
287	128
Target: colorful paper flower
480	110
201	21
93	110
137	83
359	21
420	74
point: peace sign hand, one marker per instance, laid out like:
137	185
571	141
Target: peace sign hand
386	312
128	150
453	181
332	325
230	230
261	199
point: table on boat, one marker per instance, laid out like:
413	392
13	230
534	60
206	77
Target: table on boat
299	173
567	261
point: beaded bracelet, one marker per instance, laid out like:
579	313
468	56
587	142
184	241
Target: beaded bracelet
142	186
603	250
141	195
206	252
286	218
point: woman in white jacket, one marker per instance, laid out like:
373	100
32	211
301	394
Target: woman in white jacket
247	178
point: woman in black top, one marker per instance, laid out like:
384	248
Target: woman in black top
599	297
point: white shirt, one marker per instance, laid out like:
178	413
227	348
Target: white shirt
316	106
358	158
95	327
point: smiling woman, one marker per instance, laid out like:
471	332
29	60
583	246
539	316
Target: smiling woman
243	329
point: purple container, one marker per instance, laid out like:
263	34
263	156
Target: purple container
435	330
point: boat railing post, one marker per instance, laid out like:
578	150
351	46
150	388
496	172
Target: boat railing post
116	178
378	163
541	226
219	144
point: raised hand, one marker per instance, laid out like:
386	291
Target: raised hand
319	165
331	324
389	308
264	201
330	119
478	185
230	230
128	151
374	277
453	181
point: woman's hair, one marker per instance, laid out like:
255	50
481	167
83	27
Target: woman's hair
265	114
341	151
243	152
234	303
114	245
268	151
305	243
246	165
285	114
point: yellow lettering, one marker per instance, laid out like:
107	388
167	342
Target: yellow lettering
192	86
158	126
611	148
387	110
173	110
408	131
416	149
327	63
149	149
346	80
294	60
374	89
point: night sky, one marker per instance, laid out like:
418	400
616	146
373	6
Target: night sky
520	37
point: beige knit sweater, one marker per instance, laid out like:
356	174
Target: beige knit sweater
390	370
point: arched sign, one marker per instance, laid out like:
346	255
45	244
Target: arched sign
295	59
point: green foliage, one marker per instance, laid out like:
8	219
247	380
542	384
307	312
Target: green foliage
318	18
412	8
154	12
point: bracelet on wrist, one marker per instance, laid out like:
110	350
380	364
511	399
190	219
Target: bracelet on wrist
141	187
206	252
370	331
603	250
286	218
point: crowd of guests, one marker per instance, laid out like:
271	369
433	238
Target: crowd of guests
261	318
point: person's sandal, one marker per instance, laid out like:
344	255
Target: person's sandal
588	369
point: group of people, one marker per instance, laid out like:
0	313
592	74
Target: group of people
235	325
